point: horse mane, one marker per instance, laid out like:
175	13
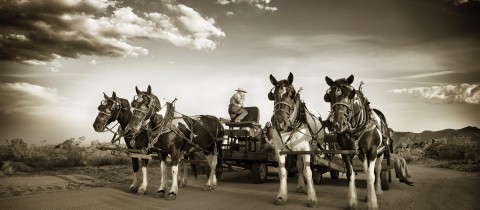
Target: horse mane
341	81
124	103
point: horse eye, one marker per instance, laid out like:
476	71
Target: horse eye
104	102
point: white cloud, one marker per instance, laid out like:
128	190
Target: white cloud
262	5
463	93
97	27
28	98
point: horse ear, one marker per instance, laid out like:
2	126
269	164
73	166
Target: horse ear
273	80
105	96
326	98
290	78
149	90
270	96
350	79
114	96
329	81
137	90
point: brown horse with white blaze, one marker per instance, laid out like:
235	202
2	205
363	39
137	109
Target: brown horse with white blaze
176	134
117	109
359	128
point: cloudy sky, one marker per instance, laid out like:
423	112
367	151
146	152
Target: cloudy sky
419	60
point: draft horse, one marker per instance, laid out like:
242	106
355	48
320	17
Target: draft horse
117	109
358	127
176	134
296	128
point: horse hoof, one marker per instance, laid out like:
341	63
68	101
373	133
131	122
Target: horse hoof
300	190
160	194
280	201
142	191
133	189
352	207
379	193
207	188
311	203
182	185
171	196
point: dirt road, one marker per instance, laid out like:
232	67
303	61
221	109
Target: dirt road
434	189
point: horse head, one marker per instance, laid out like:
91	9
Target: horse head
109	110
341	98
283	95
145	106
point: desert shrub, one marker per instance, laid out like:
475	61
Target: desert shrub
70	153
458	148
13	150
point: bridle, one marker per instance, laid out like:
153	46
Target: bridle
115	106
288	108
150	107
350	113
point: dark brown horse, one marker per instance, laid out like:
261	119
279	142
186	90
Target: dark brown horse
359	128
175	134
296	128
113	109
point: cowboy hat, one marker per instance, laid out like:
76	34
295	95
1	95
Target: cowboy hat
241	90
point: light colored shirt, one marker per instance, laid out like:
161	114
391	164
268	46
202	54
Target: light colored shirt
237	100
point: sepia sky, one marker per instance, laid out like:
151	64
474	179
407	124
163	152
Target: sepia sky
419	60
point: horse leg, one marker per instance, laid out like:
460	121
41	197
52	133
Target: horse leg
163	175
352	190
172	195
312	197
212	179
282	196
143	187
378	181
134	186
369	167
301	177
182	183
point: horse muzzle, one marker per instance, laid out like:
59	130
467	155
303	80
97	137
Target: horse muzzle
340	127
99	126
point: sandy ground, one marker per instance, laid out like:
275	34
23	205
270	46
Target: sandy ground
107	188
23	183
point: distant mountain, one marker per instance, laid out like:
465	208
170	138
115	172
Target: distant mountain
409	137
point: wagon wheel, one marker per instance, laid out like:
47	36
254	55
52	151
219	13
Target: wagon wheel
334	174
384	180
259	172
316	175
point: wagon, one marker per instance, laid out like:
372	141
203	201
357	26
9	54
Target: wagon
242	148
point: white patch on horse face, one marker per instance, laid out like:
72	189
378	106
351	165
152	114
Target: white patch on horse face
356	101
282	92
338	92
